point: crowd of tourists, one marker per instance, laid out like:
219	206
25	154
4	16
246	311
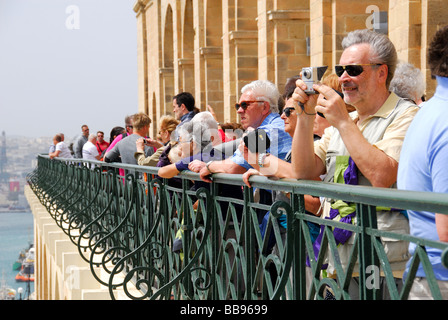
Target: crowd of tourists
366	123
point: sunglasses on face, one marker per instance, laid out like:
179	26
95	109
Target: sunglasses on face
287	111
352	70
244	104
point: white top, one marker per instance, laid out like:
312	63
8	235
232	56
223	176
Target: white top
64	150
89	151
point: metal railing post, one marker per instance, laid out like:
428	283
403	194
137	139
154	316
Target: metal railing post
367	257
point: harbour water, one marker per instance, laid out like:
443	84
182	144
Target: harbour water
16	234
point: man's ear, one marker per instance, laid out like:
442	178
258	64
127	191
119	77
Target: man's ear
266	108
383	71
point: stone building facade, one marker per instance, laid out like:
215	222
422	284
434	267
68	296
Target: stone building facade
212	48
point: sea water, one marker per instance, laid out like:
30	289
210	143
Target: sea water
16	234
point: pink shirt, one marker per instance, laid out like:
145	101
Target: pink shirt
117	139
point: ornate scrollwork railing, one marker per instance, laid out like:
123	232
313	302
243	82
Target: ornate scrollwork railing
149	239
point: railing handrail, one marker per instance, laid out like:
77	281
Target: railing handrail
413	200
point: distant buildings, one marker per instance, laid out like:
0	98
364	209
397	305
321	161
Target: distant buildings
18	158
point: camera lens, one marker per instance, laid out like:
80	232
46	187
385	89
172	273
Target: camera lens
306	73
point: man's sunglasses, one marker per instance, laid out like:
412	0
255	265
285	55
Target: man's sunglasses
244	104
353	70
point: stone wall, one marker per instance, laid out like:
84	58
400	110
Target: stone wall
60	272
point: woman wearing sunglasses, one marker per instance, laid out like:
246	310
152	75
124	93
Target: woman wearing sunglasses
269	165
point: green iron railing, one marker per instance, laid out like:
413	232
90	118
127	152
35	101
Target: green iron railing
126	226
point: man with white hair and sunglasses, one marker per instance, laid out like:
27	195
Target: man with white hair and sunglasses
258	109
367	142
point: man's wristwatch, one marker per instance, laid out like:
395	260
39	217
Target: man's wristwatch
207	166
261	158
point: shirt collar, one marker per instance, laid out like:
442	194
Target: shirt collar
385	110
269	118
186	116
442	88
388	106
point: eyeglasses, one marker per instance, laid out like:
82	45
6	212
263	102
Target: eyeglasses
244	104
186	141
353	70
287	111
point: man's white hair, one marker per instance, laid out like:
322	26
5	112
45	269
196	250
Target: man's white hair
264	90
207	119
408	82
198	130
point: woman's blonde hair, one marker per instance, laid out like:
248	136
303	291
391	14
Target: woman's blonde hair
168	123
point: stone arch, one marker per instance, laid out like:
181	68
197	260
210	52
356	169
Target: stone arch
154	124
147	111
186	63
167	71
212	54
168	48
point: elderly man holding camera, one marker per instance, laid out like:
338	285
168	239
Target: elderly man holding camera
258	109
367	141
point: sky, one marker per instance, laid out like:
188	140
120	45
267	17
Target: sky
65	63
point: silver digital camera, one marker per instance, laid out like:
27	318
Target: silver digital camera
311	75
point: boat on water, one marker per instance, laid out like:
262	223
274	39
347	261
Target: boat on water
6	292
17	265
26	273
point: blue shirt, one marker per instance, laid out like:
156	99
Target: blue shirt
187	117
423	167
281	141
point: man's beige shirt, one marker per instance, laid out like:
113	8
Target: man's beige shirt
393	137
